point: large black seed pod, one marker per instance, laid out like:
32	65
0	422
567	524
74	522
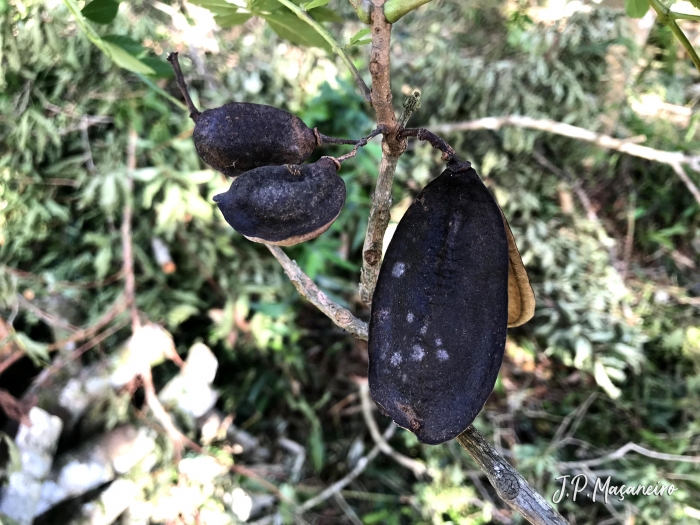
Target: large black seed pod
284	205
440	308
238	137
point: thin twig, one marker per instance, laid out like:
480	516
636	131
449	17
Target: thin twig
620	452
668	18
576	416
335	46
347	509
11	360
686	180
127	243
417	467
151	398
66	284
509	484
308	289
361	143
436	142
180	79
591	214
49	319
672	158
86	144
344	482
60	363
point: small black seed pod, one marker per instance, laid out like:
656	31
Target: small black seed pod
239	136
440	309
284	205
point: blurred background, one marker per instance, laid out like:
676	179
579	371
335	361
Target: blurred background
270	399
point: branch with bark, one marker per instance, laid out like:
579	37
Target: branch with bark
676	159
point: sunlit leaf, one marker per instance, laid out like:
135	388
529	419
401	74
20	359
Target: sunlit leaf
636	8
315	3
123	59
360	35
290	27
101	11
128	44
232	19
159	66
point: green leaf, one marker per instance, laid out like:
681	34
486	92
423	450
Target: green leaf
124	59
395	9
359	35
36	351
360	43
315	3
180	314
265	5
101	11
161	68
636	8
103	261
128	44
290	27
323	14
14	461
217	7
232	19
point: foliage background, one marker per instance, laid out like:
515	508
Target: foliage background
620	325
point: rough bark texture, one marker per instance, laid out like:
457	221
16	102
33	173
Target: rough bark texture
376	227
308	289
392	148
509	484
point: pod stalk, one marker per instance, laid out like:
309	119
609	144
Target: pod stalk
180	78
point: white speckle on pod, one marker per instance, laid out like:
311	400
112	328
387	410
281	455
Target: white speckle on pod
396	359
410	317
443	355
398	269
418	353
423	330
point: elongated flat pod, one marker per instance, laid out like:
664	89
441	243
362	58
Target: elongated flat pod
440	309
284	205
521	298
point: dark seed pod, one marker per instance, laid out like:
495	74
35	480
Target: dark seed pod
284	205
238	137
440	308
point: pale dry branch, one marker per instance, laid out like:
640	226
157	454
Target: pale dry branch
127	243
417	467
622	451
163	417
308	290
344	482
692	188
675	159
49	319
509	484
